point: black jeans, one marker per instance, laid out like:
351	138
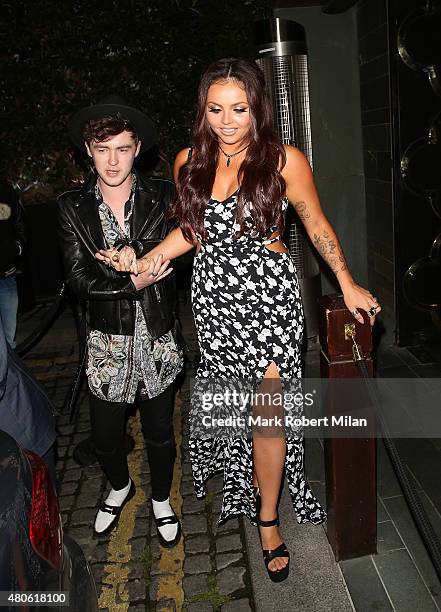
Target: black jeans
108	427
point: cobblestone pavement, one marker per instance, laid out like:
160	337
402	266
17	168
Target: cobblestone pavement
208	570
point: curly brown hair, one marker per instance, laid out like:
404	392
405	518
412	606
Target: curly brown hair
99	130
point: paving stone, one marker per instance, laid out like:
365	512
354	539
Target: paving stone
231	525
71	463
194	524
166	605
62	420
155	548
240	605
216	504
66	430
197	544
81	517
141	526
365	585
186	468
197	564
145	469
68	488
80	533
66	502
71	475
143	511
79	437
137	590
193	585
62	452
93	471
84	428
227	559
88	500
192	505
187	488
98	572
93	481
138	547
215	484
145	484
230	579
137	571
153	589
229	543
101	553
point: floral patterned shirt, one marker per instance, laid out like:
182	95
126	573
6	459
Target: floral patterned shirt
119	365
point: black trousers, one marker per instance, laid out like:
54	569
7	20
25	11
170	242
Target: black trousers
108	421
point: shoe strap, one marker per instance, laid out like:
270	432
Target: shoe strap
273	523
280	551
166	520
110	509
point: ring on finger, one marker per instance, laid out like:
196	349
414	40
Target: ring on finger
354	312
371	312
154	273
115	258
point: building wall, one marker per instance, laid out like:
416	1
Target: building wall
373	48
336	130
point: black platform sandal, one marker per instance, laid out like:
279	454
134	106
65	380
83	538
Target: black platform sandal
269	555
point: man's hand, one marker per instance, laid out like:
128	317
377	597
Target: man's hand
144	272
123	259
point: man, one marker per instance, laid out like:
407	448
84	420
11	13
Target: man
12	239
132	342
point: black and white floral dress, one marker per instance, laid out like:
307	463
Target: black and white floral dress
248	313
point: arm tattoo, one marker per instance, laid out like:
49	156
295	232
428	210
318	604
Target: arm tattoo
330	251
302	210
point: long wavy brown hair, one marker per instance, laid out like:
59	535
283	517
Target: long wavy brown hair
259	175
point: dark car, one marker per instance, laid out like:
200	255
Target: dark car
35	556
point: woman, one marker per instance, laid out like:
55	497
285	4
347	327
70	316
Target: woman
233	187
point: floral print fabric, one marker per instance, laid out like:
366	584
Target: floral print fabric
248	313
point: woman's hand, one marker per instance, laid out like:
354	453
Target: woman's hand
355	297
125	260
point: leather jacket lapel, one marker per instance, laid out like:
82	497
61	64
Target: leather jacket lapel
87	210
145	211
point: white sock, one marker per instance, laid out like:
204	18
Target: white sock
115	498
161	509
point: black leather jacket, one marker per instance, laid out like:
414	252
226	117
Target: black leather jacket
111	295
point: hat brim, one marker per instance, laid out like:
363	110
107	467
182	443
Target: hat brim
144	126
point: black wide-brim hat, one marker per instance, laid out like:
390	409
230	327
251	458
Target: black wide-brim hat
109	106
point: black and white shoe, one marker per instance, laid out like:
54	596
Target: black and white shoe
108	514
168	520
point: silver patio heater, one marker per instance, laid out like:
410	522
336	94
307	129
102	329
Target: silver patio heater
282	55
